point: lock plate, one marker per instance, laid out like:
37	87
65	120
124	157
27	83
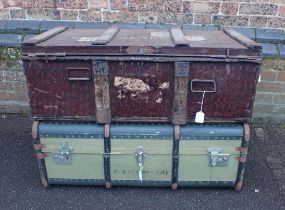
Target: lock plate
217	159
64	155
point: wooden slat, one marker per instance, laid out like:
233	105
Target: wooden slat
107	36
242	39
45	36
178	37
179	112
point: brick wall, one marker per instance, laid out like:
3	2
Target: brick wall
251	13
270	97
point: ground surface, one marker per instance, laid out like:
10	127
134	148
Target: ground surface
20	187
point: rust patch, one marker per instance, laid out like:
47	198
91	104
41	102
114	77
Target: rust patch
174	186
241	159
44	182
238	186
242	149
40	90
41	156
39	146
177	132
35	129
138	50
108	185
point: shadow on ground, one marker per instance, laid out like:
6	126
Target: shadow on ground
20	186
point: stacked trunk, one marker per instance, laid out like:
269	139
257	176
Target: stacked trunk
91	90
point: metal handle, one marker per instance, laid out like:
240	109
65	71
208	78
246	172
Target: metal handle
203	81
79	71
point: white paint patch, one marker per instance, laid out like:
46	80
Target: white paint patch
195	38
158	100
160	35
135	85
164	85
87	39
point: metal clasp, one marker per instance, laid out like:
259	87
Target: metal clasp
140	156
64	155
216	158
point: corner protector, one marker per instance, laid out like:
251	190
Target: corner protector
35	129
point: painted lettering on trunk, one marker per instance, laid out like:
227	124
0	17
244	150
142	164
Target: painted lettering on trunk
157	172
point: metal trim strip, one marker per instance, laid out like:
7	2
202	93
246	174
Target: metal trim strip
55	181
207	183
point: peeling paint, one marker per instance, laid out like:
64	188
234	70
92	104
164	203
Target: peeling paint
40	90
57	96
50	107
164	85
135	85
158	100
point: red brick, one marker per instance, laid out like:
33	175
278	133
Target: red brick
38	4
12	3
229	8
4	14
262	98
145	5
276	22
90	15
271	87
123	16
172	6
23	109
268	75
269	109
203	19
279	99
43	14
158	5
9	96
72	4
99	4
118	4
147	17
277	1
258	21
174	17
281	11
281	76
201	7
17	14
230	20
69	14
21	88
10	86
258	9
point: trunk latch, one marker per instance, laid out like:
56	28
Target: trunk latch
216	158
63	156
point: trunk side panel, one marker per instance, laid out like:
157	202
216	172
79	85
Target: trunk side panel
52	94
141	89
235	90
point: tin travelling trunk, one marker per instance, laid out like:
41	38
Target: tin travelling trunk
141	154
153	75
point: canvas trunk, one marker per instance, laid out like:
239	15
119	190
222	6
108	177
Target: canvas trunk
120	75
127	154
